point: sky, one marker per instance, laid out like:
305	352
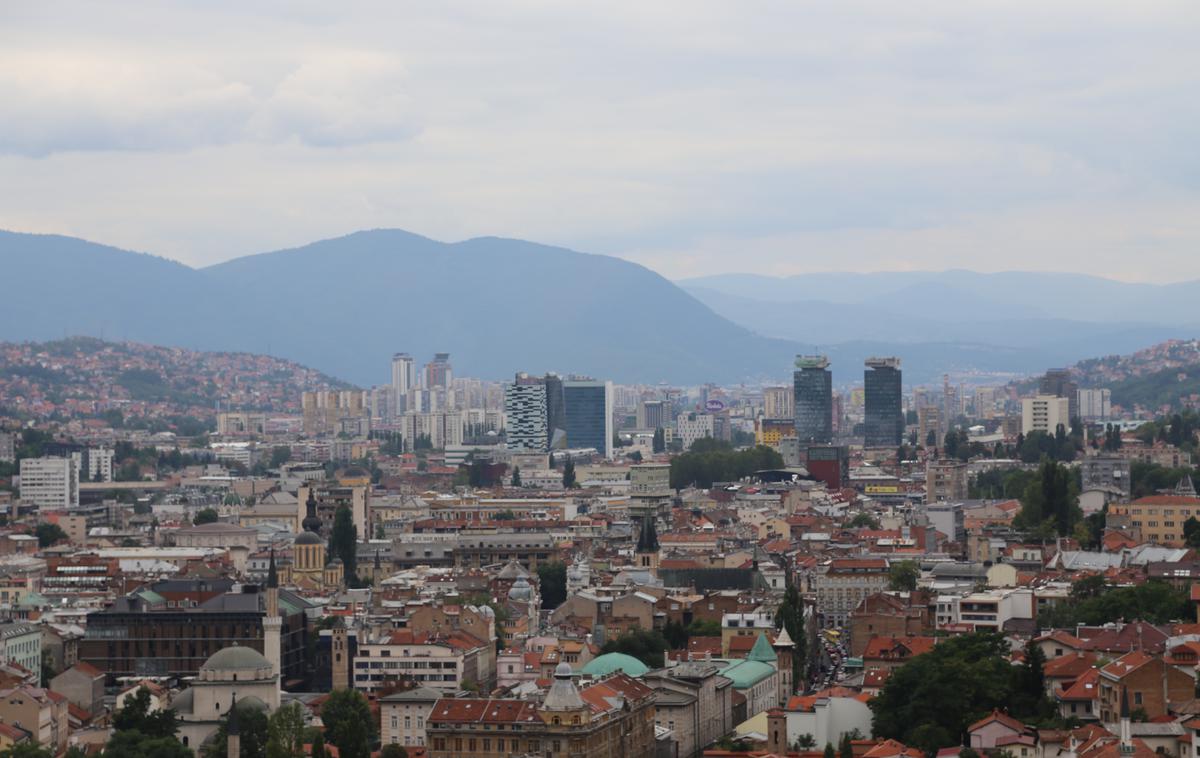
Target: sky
695	138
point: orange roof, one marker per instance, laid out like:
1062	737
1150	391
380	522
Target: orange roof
1166	500
883	647
997	716
1083	688
1127	663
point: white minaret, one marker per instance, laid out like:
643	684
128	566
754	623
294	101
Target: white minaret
273	623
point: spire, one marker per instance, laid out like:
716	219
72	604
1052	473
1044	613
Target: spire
312	522
272	573
784	639
378	565
648	537
1185	487
762	651
232	727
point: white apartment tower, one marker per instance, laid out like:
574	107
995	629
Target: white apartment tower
403	380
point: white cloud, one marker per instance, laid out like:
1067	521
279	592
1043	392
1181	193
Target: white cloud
696	137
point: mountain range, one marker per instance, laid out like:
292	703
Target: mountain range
344	305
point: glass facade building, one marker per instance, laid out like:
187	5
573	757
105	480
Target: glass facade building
813	395
883	424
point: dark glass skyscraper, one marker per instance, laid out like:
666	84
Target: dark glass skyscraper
588	415
813	389
883	425
556	415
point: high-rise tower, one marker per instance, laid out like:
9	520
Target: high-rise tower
813	396
883	423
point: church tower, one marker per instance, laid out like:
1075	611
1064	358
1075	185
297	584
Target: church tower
339	658
272	622
785	651
647	546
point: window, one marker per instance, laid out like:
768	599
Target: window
1137	698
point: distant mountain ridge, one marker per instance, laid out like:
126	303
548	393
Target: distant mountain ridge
344	305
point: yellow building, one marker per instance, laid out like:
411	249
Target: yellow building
1157	518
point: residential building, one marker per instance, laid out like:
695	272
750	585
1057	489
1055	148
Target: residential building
1106	472
899	614
96	465
21	644
779	403
403	380
402	715
1058	383
690	427
50	483
883	420
1045	413
842	583
1152	685
1157	518
241	424
442	661
945	480
931	428
1000	610
750	625
694	702
1095	404
83	685
812	399
40	712
8	447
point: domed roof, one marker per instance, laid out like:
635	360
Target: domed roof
235	658
562	669
308	538
610	662
520	590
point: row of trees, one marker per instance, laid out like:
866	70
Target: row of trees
1094	601
712	460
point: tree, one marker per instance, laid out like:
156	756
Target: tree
675	634
26	750
137	716
862	520
806	742
903	575
913	708
1191	532
393	751
552	583
790	616
714	461
348	723
568	474
318	747
134	744
48	534
829	751
343	542
647	647
280	455
705	628
659	443
285	732
516	477
254	729
1050	503
206	516
847	749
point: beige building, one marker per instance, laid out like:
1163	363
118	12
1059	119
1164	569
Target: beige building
1045	413
1157	518
694	702
945	481
42	713
402	716
779	403
842	583
232	671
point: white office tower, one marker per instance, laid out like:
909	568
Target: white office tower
403	380
525	414
50	483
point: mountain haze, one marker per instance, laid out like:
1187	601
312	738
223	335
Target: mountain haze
345	305
498	306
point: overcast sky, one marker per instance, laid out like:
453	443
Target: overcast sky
693	137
